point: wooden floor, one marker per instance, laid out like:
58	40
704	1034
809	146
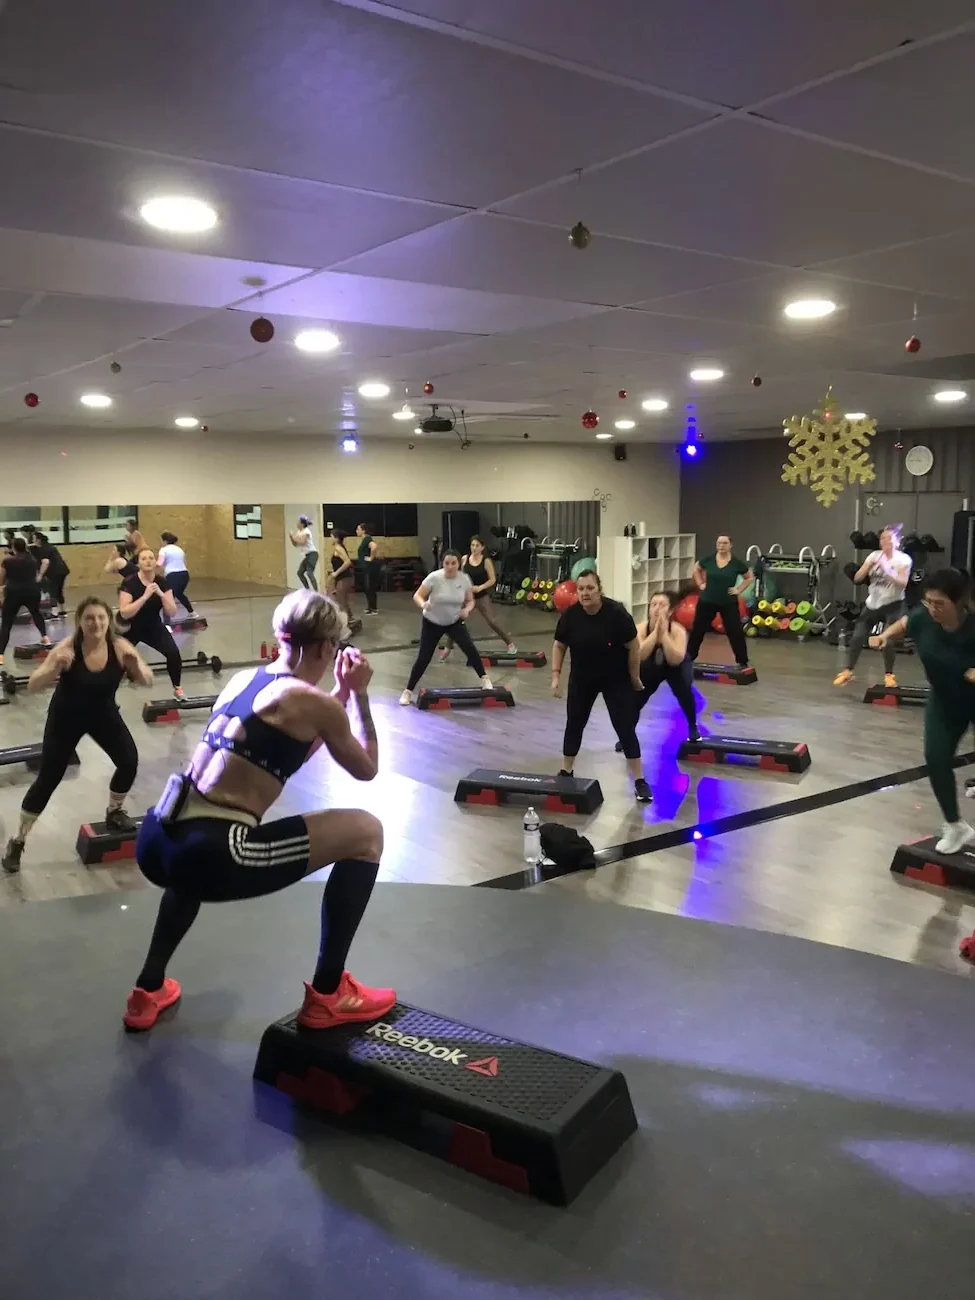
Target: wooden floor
822	874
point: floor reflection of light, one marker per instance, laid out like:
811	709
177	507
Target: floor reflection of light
944	1169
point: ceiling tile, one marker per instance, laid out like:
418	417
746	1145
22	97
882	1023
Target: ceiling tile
943	265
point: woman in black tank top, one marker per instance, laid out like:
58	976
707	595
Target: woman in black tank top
664	658
85	670
479	567
20	589
340	583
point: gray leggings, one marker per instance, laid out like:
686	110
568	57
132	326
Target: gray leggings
306	570
863	628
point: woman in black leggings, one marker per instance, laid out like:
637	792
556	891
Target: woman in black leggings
87	669
20	589
664	658
142	600
604	656
206	840
445	598
721	578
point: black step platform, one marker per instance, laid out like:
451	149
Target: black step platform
465	697
190	623
534	1121
921	861
488	786
770	755
726	674
169	710
36	651
31	755
894	696
514	659
96	843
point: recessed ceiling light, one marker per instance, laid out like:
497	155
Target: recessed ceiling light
350	442
316	341
855	415
706	374
655	404
417	429
405	413
810	308
374	389
186	422
603	436
947	395
625	424
95	399
179	214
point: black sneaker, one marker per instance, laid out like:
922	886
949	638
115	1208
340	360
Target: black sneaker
563	772
117	819
642	791
11	856
693	734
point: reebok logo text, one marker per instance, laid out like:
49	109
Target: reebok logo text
449	1055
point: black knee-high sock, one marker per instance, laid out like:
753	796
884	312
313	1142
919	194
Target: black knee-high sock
177	912
347	892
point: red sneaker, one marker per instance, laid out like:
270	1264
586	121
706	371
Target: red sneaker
143	1009
350	1001
966	948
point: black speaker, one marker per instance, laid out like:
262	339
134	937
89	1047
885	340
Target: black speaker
619	452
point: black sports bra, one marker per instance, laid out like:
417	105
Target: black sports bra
260	743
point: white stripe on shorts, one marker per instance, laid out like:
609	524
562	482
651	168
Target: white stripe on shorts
271	854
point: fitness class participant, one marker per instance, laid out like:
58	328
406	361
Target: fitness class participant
445	597
721	578
172	561
8	540
204	842
341	580
121	561
372	566
604	660
53	568
889	571
479	567
143	599
87	669
133	538
304	539
664	658
20	589
943	630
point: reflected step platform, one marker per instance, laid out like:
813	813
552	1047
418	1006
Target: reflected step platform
465	697
921	861
726	674
191	623
96	843
894	696
488	786
31	755
514	659
169	710
36	651
535	1121
770	755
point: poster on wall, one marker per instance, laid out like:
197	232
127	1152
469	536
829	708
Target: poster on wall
247	522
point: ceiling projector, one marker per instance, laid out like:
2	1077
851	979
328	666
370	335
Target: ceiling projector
435	423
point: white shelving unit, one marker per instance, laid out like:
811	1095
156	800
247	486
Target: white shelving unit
633	569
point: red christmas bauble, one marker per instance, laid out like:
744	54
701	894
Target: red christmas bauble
428	388
589	419
622	394
262	331
756	381
116	367
31	399
913	344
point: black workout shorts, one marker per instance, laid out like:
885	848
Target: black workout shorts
217	861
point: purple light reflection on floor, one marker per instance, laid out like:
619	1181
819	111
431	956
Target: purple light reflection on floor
944	1169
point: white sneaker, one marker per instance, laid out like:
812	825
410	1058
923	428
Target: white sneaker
954	837
970	788
406	697
488	685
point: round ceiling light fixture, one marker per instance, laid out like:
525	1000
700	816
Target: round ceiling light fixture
317	341
186	422
625	424
707	374
949	395
655	404
374	388
179	214
404	413
855	415
809	308
97	400
603	436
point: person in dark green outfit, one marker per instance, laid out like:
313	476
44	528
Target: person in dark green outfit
721	578
371	564
943	630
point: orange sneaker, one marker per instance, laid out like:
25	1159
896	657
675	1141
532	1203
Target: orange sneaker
143	1009
890	679
350	1001
842	677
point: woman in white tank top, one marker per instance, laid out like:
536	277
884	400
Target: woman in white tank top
304	540
172	560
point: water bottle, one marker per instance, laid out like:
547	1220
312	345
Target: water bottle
533	838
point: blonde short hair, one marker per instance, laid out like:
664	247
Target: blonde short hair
304	617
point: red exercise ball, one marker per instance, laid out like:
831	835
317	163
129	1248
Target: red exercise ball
685	611
717	623
564	595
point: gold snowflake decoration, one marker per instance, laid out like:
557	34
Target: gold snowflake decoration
828	448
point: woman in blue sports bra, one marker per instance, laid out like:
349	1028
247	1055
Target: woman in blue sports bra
204	842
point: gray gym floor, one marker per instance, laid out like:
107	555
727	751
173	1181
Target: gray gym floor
806	1113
